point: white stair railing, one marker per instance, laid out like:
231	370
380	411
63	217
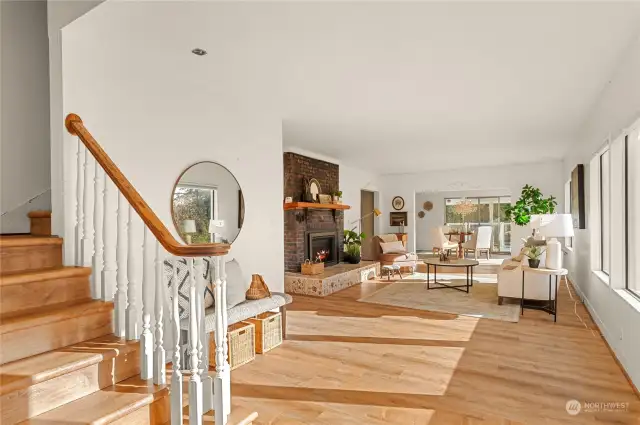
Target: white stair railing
128	268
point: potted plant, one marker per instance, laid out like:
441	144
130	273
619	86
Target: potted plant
534	253
352	244
337	196
531	202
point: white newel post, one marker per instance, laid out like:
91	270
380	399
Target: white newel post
203	366
108	278
79	201
88	230
222	386
98	218
176	374
120	300
146	339
131	318
159	366
195	385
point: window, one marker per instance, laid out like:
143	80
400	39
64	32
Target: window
568	242
196	203
632	210
605	212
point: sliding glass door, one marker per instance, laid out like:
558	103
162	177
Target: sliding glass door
489	211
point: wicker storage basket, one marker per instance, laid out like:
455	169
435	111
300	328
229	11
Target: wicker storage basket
312	268
241	343
268	331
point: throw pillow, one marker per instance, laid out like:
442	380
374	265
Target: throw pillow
184	284
393	247
237	285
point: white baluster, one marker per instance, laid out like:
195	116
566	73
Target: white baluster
222	386
109	238
82	151
132	328
226	370
98	218
88	231
159	363
146	339
195	385
120	299
176	375
203	365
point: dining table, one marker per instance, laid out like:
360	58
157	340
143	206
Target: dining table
462	238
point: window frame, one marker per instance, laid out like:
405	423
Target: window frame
635	292
602	238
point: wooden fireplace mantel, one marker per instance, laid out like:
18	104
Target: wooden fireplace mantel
314	206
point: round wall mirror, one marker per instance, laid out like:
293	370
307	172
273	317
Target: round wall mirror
207	204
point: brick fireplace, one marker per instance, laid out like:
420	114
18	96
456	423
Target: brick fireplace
303	227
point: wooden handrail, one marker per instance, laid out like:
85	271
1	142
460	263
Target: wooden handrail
74	125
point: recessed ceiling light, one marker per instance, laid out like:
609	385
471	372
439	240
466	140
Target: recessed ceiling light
199	52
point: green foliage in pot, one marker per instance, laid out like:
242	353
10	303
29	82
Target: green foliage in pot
352	244
534	252
531	202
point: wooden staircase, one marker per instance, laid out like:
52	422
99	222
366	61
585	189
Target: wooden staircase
59	360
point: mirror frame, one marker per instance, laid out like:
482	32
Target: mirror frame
173	191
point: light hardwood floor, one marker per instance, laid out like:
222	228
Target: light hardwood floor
347	362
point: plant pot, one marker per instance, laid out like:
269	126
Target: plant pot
534	263
351	259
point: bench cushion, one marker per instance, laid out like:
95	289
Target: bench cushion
244	310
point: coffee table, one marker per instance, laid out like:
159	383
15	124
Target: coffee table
462	262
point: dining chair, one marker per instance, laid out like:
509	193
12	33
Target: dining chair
480	241
441	243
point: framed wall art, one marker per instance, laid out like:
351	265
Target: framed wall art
398	218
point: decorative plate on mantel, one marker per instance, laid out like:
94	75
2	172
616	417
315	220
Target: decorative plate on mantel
397	203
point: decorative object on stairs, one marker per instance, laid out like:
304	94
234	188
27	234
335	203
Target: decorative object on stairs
530	203
311	268
352	245
397	203
258	288
554	226
533	254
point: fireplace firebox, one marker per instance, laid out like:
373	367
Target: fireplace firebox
322	246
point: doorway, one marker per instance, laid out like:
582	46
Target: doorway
367	203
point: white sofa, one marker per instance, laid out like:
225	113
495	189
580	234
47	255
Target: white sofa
510	282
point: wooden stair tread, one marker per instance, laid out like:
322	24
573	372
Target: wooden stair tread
16	278
23	373
106	405
39	214
9	241
238	416
52	313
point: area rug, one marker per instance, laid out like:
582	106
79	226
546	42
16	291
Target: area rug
481	301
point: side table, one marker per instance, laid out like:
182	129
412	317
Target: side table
552	306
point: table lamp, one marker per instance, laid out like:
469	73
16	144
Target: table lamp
554	226
188	227
213	226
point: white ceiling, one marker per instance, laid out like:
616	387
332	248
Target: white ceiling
407	87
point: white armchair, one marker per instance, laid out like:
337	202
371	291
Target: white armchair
441	243
510	282
480	241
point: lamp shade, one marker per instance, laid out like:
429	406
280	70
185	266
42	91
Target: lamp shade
189	226
215	224
556	225
534	222
377	212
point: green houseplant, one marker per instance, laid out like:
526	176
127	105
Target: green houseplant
352	244
534	253
531	202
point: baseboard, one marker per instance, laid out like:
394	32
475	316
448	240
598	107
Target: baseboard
602	331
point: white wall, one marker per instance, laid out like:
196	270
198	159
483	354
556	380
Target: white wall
25	162
156	109
546	176
615	312
435	217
